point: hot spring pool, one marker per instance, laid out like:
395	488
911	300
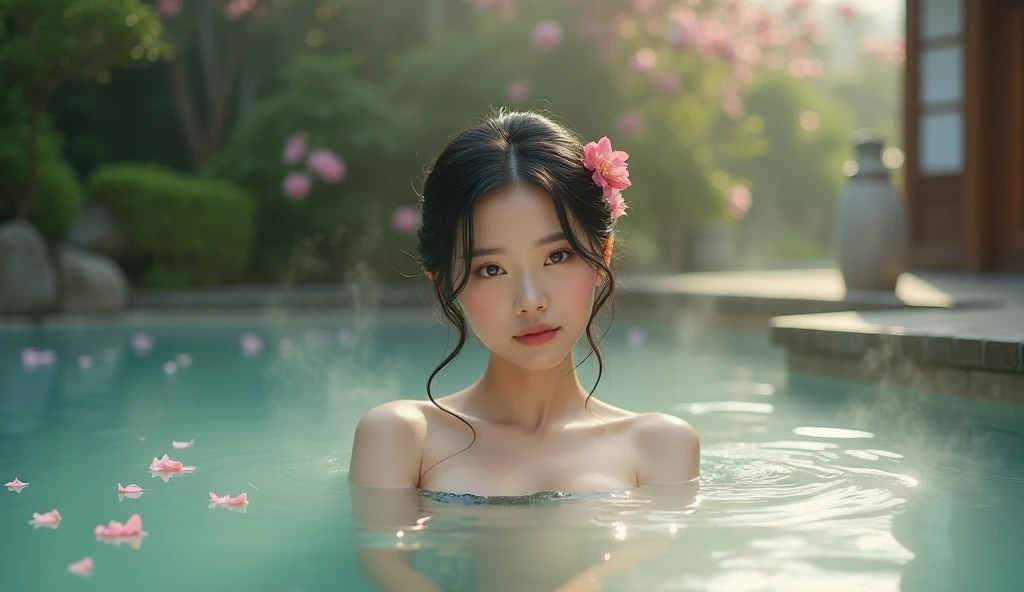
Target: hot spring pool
811	486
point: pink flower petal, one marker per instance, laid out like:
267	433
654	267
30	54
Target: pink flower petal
616	205
182	445
82	567
227	500
133	488
169	466
16	483
50	519
114	529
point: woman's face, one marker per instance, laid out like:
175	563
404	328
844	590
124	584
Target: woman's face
524	278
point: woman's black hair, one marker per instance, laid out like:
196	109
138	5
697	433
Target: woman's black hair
509	149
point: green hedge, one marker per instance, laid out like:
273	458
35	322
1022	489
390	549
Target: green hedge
181	230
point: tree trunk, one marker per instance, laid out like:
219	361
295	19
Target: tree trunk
207	31
181	92
219	109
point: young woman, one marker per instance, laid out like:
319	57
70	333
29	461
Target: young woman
518	227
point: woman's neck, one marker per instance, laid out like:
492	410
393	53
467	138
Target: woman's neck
531	400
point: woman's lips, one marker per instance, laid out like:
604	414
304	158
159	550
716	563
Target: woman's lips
537	338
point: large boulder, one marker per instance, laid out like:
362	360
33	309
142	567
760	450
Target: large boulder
90	282
97	231
28	281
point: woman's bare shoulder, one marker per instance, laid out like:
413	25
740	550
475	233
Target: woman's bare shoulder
668	448
388	445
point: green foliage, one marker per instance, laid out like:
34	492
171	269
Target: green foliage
181	230
46	42
59	198
797	182
337	225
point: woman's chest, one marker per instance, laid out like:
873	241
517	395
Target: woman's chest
498	464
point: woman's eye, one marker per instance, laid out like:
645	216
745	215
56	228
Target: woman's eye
490	270
559	256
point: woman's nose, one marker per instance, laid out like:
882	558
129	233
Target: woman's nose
531	295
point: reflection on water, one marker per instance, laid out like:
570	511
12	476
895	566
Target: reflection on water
811	486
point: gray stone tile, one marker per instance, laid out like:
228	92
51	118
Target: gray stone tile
970	352
1003	387
912	346
940	351
1004	356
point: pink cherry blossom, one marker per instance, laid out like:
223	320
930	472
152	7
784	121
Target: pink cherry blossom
296	186
16	486
83	567
616	205
406	219
738	201
517	89
294	148
166	465
168	9
329	166
631	123
609	166
251	344
547	35
644	60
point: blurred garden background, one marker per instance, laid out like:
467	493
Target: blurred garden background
240	142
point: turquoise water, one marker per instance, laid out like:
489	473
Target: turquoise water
806	485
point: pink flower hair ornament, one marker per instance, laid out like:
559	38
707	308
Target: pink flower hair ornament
610	173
